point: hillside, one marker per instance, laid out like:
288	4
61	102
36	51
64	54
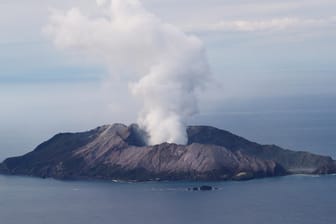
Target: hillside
119	152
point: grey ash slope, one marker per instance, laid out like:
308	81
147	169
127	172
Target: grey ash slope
118	152
295	162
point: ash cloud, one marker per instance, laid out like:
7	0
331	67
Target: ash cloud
164	66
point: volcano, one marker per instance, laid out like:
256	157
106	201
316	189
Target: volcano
119	152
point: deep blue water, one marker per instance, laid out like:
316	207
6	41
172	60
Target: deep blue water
293	199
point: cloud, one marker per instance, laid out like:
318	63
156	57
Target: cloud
101	2
263	25
164	66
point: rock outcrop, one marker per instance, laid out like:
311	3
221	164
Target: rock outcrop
119	152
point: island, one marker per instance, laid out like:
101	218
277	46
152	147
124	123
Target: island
119	152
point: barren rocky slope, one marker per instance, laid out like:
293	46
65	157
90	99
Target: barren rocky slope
118	152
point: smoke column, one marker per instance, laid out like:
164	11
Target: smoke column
165	67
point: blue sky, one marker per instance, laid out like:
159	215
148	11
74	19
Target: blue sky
257	50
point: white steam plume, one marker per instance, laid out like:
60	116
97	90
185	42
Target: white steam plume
167	65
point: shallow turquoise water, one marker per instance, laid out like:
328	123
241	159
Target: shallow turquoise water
293	199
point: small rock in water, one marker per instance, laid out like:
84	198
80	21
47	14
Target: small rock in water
202	188
206	188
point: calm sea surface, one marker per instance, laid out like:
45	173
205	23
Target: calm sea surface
293	199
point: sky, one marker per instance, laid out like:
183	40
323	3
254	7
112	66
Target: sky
266	57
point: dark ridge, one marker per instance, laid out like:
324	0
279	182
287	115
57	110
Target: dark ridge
215	136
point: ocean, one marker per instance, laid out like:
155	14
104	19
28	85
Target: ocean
292	199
